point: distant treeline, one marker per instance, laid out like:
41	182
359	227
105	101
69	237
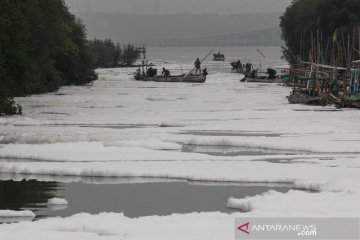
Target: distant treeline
337	21
43	47
107	54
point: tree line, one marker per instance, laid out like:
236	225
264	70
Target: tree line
43	47
107	54
336	20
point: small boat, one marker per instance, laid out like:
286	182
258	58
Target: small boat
258	74
237	67
264	77
301	98
348	102
152	76
218	57
198	78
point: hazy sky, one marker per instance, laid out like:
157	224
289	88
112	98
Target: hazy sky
178	6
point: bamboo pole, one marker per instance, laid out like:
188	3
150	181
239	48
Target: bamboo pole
359	37
301	43
321	48
187	75
326	52
317	59
348	66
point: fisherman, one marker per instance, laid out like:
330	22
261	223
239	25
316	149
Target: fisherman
151	72
165	72
197	65
248	68
205	73
238	64
138	74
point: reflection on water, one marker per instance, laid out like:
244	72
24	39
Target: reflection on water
133	198
15	219
26	194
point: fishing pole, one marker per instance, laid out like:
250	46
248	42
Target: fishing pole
200	62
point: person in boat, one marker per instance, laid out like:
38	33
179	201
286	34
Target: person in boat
272	73
138	74
165	72
151	72
197	65
238	64
248	68
205	73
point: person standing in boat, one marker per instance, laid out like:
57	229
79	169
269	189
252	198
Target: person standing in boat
197	65
238	64
138	74
205	73
165	72
151	72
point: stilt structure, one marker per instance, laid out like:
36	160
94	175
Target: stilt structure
141	51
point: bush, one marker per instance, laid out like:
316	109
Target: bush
107	54
9	107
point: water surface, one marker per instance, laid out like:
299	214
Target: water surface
134	199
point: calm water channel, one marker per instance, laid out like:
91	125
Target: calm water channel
133	198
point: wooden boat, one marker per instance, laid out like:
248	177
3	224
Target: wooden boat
301	98
237	70
263	80
259	74
218	57
198	78
261	77
348	102
237	67
150	74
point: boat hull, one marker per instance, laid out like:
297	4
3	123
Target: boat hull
300	98
263	80
237	70
178	78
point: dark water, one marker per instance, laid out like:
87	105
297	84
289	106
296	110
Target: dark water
133	199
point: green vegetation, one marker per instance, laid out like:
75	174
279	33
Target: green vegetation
335	19
106	54
42	47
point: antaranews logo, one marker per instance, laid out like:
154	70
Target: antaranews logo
300	229
297	228
244	228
